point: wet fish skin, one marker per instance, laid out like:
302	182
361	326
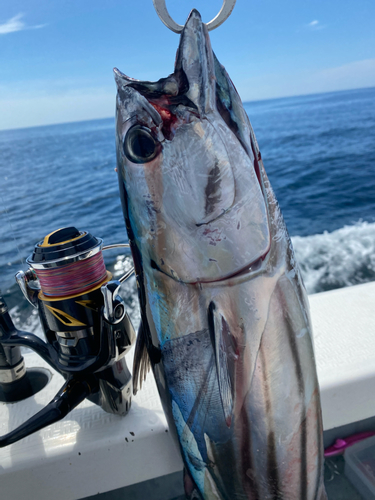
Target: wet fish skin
225	318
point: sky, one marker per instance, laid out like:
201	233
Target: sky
57	57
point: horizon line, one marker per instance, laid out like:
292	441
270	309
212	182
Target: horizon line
243	102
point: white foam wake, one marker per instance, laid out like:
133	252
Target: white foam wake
338	259
342	258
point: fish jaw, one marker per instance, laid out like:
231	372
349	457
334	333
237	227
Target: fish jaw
197	209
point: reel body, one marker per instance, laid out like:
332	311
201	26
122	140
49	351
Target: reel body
86	326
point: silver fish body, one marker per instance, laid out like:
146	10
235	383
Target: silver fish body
225	318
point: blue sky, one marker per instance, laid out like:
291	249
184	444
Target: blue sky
56	58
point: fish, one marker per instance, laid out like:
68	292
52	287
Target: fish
225	324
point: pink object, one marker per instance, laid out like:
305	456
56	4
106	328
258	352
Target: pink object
73	279
340	445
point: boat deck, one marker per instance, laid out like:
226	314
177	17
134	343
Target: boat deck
91	452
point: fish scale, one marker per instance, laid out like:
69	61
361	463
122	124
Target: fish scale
225	318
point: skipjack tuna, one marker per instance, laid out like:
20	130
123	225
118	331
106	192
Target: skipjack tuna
225	319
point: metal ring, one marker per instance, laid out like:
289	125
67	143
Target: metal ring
121	245
225	12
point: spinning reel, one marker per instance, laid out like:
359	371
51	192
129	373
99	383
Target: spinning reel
86	326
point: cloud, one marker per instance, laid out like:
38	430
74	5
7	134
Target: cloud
16	24
353	75
315	25
41	102
55	106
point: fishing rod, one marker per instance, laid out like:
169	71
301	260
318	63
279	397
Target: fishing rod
86	326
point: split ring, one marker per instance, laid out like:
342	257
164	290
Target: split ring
225	12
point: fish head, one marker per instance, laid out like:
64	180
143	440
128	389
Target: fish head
192	197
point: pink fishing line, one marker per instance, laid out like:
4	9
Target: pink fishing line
74	278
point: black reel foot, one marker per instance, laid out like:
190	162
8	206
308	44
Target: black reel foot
31	383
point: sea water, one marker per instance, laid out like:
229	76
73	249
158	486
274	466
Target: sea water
319	154
318	151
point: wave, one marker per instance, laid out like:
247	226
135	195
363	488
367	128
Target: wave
338	259
26	318
327	261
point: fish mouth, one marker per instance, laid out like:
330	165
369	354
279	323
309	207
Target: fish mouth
249	269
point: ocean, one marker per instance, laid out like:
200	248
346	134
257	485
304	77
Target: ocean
318	151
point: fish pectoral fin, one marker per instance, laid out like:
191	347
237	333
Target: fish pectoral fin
191	490
141	363
225	357
323	494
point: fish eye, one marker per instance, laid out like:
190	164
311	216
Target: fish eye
139	145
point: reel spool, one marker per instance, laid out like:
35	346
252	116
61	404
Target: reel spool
68	262
85	322
70	268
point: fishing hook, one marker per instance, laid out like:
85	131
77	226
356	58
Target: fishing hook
225	12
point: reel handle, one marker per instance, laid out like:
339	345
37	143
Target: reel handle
104	378
71	394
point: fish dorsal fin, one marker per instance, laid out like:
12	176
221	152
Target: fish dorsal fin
169	86
141	363
225	349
